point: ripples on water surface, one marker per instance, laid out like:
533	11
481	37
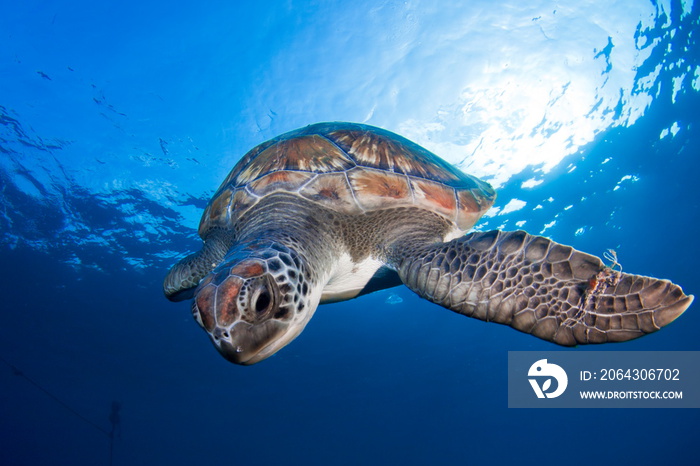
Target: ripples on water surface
120	144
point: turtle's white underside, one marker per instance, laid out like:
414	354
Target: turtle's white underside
349	278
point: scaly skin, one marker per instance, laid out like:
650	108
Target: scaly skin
335	210
538	287
261	292
184	276
256	301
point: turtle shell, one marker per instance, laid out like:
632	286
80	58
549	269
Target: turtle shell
350	168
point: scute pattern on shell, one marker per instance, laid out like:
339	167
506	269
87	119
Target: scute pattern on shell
351	168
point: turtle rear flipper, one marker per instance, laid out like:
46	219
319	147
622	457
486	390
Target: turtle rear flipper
539	287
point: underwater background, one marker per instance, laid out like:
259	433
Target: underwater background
118	121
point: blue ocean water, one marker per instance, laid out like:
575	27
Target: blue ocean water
118	120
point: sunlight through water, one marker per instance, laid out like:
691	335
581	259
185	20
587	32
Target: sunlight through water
115	164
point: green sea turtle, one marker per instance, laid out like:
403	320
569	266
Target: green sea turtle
336	210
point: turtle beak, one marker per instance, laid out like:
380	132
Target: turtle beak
238	315
246	343
251	309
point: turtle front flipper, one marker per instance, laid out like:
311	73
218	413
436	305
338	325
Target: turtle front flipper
183	277
539	287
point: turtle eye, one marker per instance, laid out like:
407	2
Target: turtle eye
262	303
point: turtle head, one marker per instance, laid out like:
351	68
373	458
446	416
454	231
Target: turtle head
255	302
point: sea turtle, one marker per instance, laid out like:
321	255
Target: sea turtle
336	210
